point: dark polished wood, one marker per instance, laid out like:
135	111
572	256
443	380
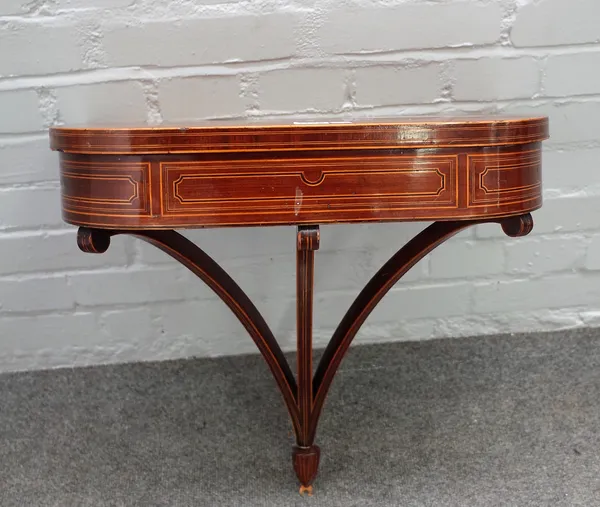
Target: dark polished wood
147	181
306	454
300	174
335	134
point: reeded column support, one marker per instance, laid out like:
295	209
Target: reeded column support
304	397
305	454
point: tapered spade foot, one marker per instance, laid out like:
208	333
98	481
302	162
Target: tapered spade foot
306	464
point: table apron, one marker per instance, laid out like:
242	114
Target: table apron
200	190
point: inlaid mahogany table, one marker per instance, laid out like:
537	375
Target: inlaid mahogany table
146	182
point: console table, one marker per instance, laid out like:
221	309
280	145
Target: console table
454	172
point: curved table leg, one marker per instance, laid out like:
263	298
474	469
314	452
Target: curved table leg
304	399
203	266
396	267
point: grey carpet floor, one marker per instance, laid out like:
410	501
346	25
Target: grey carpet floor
488	421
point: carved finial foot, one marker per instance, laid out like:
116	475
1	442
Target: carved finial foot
93	240
517	226
306	464
306	489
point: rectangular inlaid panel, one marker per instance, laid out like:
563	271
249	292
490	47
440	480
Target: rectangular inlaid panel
328	186
503	178
110	188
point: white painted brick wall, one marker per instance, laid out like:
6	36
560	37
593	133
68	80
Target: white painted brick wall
467	259
9	7
561	165
150	61
485	79
49	251
592	260
556	22
582	69
29	208
26	159
102	102
132	287
404	85
200	97
178	42
39	46
89	4
539	255
29	119
35	294
574	122
285	90
555	292
411	25
62	331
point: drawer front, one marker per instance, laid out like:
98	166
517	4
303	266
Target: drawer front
296	188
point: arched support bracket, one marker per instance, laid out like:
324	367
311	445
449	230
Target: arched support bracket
205	268
304	397
391	272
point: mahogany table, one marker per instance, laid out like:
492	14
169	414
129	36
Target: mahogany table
454	172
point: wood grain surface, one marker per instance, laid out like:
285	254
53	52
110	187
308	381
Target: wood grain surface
300	173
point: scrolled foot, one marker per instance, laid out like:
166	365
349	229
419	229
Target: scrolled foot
306	464
517	226
93	240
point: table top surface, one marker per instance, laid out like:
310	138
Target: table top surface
256	134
